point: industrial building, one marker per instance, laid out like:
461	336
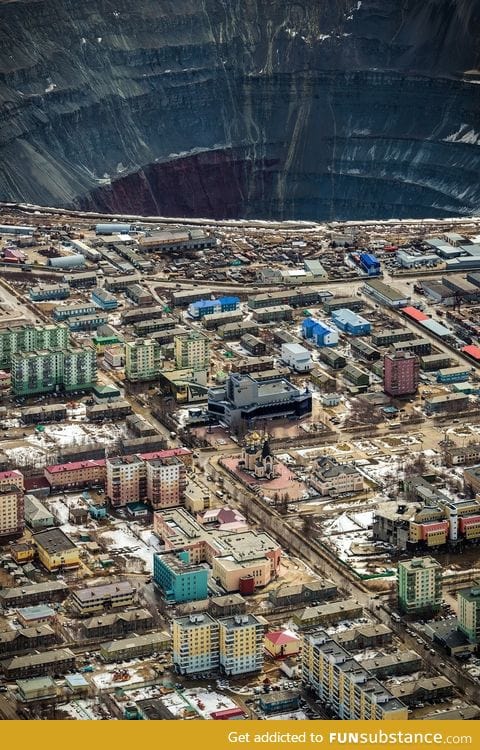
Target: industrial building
385	294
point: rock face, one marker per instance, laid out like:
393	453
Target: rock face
316	109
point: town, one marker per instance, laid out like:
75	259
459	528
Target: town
239	469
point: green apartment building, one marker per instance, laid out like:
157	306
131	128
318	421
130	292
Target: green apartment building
469	613
29	338
419	586
143	360
45	371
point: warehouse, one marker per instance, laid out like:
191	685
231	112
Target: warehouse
437	329
385	294
132	648
438	292
462	288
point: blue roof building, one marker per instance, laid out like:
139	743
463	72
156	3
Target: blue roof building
178	578
212	306
319	332
351	323
370	264
104	299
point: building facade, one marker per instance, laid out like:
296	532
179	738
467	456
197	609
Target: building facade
12	515
469	613
343	684
419	586
142	360
192	351
178	578
195	644
240	644
400	374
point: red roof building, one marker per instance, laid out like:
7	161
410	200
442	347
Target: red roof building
414	314
282	643
472	351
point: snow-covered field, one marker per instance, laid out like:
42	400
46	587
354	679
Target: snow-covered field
132	541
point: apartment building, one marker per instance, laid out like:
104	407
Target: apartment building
332	478
341	683
400	374
126	480
12	478
466	455
241	644
27	338
192	351
12	514
195	644
165	482
76	474
108	596
49	371
469	613
58	661
116	624
160	479
419	586
143	360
